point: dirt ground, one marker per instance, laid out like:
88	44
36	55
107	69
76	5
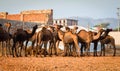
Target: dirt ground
59	63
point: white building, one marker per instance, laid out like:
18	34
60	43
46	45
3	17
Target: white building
65	22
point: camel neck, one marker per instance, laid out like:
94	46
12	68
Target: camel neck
104	35
97	36
33	32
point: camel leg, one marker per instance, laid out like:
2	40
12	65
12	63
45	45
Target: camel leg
21	45
13	49
104	50
2	49
74	50
25	48
57	46
77	46
32	48
114	48
70	49
50	48
88	49
6	48
81	50
95	48
65	50
45	46
101	49
55	49
9	47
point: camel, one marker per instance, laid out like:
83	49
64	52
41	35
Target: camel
55	37
107	40
85	38
19	37
33	39
69	39
5	37
106	32
45	36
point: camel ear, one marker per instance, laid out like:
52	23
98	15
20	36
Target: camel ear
76	27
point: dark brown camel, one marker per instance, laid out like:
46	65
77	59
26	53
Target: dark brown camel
106	32
107	40
19	37
5	38
85	38
45	36
33	39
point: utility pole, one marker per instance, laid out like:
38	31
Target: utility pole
118	19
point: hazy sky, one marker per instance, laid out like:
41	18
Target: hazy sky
65	8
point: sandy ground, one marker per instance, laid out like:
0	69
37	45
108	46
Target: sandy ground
59	63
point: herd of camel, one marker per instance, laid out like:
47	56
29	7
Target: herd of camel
53	35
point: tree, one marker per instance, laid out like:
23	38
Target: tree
102	25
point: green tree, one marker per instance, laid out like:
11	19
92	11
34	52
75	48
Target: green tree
102	25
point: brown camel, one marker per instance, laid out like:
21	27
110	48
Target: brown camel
5	38
55	37
45	36
70	39
64	37
85	38
19	37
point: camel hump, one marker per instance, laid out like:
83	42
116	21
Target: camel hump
19	30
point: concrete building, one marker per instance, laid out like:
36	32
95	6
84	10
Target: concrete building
65	22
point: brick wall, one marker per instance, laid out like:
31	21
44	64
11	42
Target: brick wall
14	17
38	16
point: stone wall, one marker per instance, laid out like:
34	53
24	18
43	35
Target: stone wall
18	24
38	16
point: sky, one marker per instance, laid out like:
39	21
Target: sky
65	8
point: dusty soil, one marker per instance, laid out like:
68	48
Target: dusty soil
59	63
91	63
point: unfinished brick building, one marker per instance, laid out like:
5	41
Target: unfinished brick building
37	16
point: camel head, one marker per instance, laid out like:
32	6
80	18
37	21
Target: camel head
8	24
67	29
43	28
101	30
108	30
74	30
58	27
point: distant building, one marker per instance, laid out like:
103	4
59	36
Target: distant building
37	16
65	22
